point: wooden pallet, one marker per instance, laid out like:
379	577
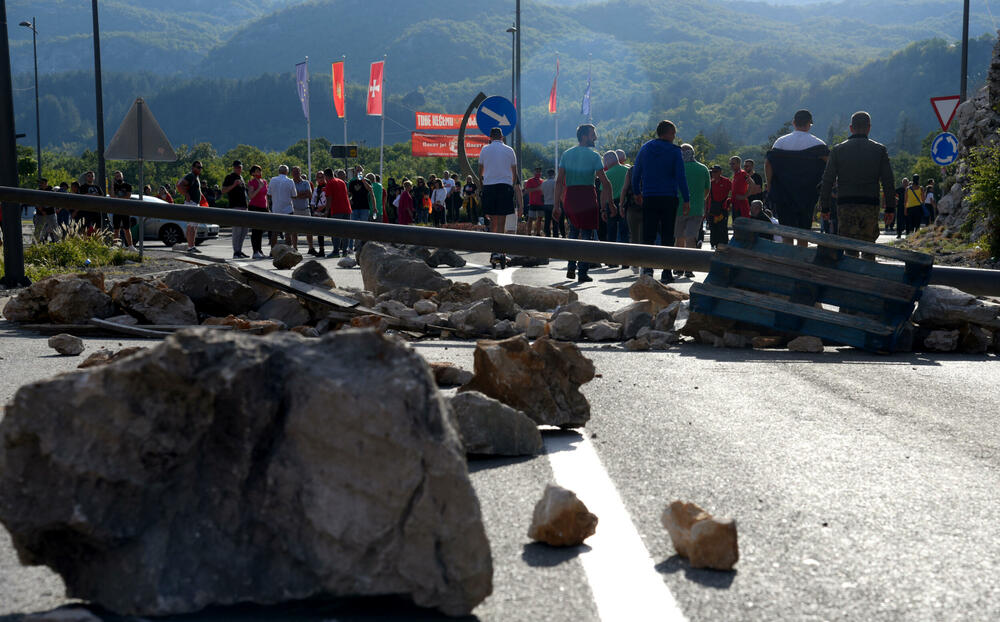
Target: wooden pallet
782	286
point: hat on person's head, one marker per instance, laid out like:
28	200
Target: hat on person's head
802	117
717	168
237	163
496	133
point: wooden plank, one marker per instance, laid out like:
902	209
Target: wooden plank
811	273
781	306
311	292
833	241
845	299
129	330
199	261
892	272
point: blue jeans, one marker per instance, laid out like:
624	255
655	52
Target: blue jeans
580	234
363	215
617	230
339	245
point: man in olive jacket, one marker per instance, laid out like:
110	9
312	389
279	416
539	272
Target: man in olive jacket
857	166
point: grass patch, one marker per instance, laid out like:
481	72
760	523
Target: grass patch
71	254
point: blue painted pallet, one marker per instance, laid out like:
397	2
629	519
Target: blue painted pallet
790	288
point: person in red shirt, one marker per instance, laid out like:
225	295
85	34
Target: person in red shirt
718	212
338	205
536	203
741	189
404	211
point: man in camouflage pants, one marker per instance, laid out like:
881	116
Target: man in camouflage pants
857	166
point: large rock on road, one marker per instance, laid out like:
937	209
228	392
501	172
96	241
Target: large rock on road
221	468
385	268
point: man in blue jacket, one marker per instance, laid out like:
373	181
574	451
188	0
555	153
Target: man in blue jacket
657	179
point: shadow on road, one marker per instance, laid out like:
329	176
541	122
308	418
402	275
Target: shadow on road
485	463
718	579
368	609
540	555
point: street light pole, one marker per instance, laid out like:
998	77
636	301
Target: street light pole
38	125
513	58
965	51
101	171
517	96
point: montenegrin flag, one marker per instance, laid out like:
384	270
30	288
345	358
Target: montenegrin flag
338	88
552	94
374	106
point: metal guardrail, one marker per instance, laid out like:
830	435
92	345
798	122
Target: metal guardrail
975	281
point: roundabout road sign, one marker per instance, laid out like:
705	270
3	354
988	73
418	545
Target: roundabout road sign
498	112
944	149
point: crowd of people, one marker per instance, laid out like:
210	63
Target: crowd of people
665	197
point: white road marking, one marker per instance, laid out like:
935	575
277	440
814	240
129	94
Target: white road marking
621	572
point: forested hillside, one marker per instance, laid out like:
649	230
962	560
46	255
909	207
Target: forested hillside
735	70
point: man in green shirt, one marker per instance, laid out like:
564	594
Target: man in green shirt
575	193
699	181
617	228
373	179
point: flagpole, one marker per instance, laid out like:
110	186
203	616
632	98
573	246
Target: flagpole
381	147
590	105
556	116
344	57
309	158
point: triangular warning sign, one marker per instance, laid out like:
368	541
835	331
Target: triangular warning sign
126	143
944	108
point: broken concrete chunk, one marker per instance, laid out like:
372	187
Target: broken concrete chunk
490	427
941	306
504	329
347	262
504	306
425	306
476	317
284	308
154	302
707	542
639	344
285	257
218	290
450	375
735	340
313	273
542	378
603	330
661	340
248	467
533	324
659	295
62	299
561	519
806	343
565	326
975	339
106	357
942	340
540	298
385	268
640	306
588	314
445	256
66	344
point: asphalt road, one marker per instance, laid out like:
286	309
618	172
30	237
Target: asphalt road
865	487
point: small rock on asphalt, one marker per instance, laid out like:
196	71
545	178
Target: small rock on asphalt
806	343
65	344
561	519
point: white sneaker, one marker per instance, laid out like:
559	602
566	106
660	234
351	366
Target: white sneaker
258	256
132	249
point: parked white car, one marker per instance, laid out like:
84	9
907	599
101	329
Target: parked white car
171	232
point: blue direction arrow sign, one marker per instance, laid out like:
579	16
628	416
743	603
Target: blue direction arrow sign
944	149
498	112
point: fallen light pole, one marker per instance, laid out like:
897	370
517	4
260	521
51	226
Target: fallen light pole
974	281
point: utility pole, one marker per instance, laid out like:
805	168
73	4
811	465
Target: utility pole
38	124
517	96
13	248
101	170
965	51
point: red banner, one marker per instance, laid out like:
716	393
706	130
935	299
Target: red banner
552	93
338	88
374	106
437	121
446	145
